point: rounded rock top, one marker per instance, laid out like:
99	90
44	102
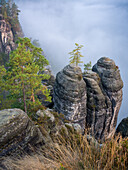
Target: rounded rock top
106	62
6	115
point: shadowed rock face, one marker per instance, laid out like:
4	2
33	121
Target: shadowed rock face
69	94
104	97
17	132
123	127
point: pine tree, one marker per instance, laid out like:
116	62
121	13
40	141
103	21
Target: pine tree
2	86
76	55
23	75
2	74
3	8
9	7
87	66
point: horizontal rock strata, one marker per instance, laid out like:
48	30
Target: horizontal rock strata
104	97
69	94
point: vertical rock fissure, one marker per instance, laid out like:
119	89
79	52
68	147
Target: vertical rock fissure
104	86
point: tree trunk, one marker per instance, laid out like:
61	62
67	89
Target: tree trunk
24	99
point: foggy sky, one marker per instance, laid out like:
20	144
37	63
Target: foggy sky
100	25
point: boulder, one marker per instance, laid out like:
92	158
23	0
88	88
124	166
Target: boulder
69	95
47	113
104	97
17	132
123	128
77	127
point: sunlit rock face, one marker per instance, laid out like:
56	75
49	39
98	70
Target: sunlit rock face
69	94
8	36
104	97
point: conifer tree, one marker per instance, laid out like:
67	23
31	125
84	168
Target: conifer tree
23	75
9	7
2	85
87	66
76	55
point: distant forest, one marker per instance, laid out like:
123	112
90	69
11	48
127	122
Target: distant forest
9	11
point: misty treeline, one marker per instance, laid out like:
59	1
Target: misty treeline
9	9
10	12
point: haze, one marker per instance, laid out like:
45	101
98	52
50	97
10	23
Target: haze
101	26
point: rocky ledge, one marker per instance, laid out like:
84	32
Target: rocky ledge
17	132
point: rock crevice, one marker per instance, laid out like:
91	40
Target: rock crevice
93	99
106	95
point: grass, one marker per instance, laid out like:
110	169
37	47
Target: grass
67	149
72	151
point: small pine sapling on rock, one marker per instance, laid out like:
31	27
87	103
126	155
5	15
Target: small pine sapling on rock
87	67
76	55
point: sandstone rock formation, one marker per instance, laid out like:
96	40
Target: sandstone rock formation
102	88
44	113
69	94
7	36
17	132
123	128
104	97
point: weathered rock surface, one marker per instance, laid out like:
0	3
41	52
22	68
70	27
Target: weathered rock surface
51	80
69	95
17	132
7	36
123	128
43	113
49	83
104	97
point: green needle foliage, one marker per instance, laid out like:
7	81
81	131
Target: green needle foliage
87	66
10	13
23	76
2	83
76	55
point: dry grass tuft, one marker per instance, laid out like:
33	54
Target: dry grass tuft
75	153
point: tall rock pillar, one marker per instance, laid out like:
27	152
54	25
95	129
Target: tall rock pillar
70	95
104	98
